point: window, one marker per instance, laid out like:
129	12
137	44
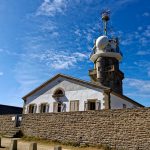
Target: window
74	105
43	108
124	106
58	93
59	107
92	105
32	108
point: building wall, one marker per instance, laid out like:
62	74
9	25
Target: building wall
73	91
117	102
127	129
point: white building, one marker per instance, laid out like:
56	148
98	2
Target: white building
64	93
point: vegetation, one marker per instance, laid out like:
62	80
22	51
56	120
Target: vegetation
68	145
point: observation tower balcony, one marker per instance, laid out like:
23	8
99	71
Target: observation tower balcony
106	53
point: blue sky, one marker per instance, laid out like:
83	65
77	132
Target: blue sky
41	38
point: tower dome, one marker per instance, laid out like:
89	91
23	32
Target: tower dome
102	42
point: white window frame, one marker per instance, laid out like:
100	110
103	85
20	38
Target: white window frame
47	108
34	108
78	104
97	104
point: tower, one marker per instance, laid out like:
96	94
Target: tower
106	56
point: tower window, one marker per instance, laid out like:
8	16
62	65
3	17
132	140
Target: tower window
118	82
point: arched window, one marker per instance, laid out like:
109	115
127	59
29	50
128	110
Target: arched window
59	93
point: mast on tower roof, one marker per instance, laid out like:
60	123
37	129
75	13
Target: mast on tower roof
105	17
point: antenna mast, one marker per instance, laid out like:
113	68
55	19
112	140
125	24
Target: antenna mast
105	18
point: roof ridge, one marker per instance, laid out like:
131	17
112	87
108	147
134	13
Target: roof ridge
65	76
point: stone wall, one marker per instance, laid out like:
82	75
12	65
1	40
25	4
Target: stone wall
127	129
6	123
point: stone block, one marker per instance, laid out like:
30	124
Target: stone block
57	148
0	143
13	145
33	146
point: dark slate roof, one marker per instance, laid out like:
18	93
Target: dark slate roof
5	109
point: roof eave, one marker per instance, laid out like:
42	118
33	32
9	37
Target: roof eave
65	76
128	99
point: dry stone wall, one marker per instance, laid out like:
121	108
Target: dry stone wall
6	123
127	129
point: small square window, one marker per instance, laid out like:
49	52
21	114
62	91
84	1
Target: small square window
124	106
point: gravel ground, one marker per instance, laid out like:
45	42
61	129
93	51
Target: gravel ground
23	145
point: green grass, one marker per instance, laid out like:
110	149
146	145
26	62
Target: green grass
67	145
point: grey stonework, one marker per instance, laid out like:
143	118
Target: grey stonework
6	123
106	72
127	129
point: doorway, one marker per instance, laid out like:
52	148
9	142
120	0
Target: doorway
59	107
91	105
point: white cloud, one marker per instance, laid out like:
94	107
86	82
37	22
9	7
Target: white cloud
147	31
146	14
78	32
48	26
140	28
140	86
128	40
145	65
1	50
55	34
61	60
140	36
142	63
51	7
1	73
143	52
